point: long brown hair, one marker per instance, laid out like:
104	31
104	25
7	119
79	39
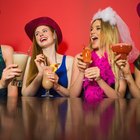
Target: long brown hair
33	71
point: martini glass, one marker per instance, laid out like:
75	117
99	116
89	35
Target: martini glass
123	49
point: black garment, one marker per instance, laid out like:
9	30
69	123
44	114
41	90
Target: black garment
3	92
137	63
2	63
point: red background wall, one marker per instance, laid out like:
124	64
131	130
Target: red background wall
73	16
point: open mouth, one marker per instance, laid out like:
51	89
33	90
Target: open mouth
94	38
43	39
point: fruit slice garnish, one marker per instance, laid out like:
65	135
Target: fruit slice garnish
54	66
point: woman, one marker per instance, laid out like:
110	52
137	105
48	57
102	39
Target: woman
103	74
133	83
46	36
8	72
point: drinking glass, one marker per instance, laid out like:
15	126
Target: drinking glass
124	49
46	83
86	54
20	59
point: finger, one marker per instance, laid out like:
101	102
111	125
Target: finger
10	66
10	76
82	65
79	58
14	74
117	57
14	70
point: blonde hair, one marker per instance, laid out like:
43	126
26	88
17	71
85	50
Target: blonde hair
109	36
33	71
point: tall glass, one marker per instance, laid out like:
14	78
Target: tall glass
46	83
124	49
20	59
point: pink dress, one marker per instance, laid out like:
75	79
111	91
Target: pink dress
92	90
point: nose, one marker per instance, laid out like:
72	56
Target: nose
93	31
41	34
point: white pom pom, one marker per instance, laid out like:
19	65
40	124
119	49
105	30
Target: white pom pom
107	15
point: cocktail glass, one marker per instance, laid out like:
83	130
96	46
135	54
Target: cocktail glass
46	83
124	49
86	54
20	59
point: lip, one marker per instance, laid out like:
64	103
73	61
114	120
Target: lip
43	39
94	38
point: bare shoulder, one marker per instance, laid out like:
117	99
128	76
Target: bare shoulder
69	62
77	55
69	58
7	48
7	52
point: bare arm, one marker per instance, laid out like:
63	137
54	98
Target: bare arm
10	71
137	77
77	77
133	86
110	92
93	73
60	89
35	84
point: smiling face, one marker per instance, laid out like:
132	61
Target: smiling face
95	34
44	36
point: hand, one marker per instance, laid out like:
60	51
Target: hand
80	64
120	62
123	65
93	73
53	77
40	62
9	73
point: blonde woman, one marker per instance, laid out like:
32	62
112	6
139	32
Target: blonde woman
102	75
132	82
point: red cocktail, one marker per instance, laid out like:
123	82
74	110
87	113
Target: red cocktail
123	49
86	53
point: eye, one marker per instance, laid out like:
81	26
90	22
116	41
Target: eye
98	28
36	34
44	31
